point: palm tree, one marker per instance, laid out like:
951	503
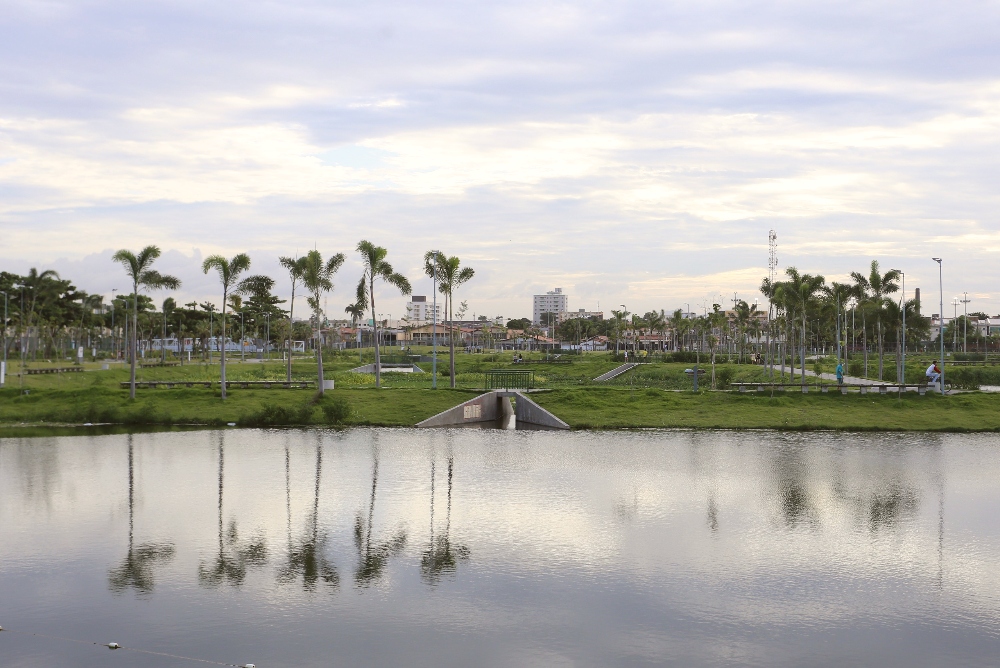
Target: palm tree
139	269
317	278
449	277
838	293
295	267
229	271
876	288
801	290
679	325
441	556
137	568
376	267
226	566
306	557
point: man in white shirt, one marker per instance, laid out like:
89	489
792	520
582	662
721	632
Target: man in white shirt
933	373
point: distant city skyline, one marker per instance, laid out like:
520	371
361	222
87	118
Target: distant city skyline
630	152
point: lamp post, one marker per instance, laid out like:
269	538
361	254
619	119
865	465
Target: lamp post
114	332
965	325
3	375
624	313
267	340
243	339
902	369
954	335
941	319
434	326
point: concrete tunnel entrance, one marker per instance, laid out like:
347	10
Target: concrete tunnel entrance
499	409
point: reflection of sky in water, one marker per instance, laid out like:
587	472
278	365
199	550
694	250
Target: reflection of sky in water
398	547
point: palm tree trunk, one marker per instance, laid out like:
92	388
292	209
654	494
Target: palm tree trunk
131	343
378	359
319	346
223	357
802	347
880	352
291	311
451	338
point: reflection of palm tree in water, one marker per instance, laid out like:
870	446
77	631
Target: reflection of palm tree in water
441	556
306	558
373	557
231	567
137	569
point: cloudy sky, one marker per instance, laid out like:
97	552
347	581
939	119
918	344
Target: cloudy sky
628	152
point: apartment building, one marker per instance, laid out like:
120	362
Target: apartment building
553	301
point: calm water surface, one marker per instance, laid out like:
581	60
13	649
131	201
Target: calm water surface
454	548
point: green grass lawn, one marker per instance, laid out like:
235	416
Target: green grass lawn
644	397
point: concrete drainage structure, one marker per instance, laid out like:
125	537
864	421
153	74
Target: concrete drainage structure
505	409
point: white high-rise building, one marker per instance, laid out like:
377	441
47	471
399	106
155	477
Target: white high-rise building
420	309
553	301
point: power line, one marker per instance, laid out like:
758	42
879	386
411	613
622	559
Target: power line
114	646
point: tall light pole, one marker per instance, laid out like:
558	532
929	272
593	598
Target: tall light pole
941	319
434	326
954	335
965	325
902	369
267	340
114	332
243	339
3	375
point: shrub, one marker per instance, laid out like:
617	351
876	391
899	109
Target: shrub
271	415
724	376
336	410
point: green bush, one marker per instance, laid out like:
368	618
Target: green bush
723	377
336	410
855	368
271	415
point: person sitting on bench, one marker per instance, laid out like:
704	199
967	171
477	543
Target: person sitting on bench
933	373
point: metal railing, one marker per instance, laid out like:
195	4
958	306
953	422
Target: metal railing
509	379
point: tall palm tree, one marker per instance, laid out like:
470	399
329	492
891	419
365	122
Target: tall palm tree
306	557
317	278
229	271
875	289
802	290
376	267
228	567
450	275
838	293
137	569
139	269
295	267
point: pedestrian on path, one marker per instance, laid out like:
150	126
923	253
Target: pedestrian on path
840	373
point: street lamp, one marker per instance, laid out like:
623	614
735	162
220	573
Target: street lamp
434	326
941	318
624	313
902	369
4	372
965	325
243	339
114	332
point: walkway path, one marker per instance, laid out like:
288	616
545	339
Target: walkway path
848	380
617	371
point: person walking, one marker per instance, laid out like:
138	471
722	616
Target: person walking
840	373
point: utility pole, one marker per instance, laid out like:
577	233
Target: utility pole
3	369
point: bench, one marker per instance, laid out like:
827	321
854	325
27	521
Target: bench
156	364
169	384
230	384
62	369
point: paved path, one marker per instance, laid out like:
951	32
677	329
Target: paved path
848	380
617	371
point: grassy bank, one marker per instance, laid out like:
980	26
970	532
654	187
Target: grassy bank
607	408
397	407
582	408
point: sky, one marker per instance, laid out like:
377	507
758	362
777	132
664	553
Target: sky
630	153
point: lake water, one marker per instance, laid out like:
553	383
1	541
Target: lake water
375	547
